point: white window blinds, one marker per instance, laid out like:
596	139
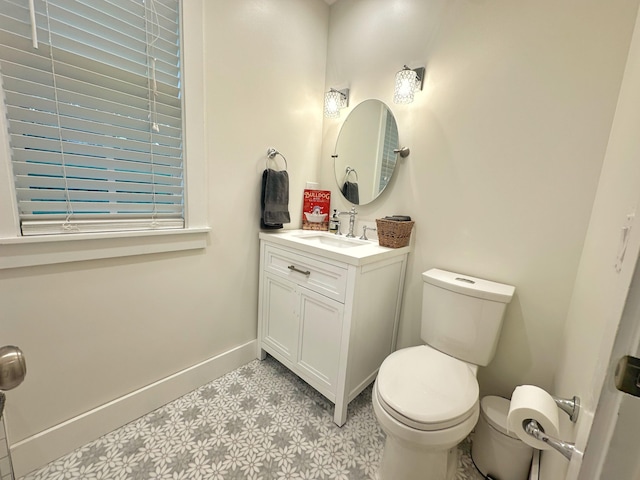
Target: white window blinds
94	113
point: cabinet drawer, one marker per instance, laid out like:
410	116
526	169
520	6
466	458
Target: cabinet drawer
321	277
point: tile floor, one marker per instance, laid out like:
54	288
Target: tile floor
257	422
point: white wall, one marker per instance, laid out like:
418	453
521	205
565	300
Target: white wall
601	290
507	141
95	331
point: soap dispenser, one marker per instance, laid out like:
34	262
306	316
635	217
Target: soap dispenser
334	223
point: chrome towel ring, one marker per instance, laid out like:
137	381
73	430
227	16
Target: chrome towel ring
271	154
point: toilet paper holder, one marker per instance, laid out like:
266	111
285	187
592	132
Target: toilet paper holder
572	408
536	431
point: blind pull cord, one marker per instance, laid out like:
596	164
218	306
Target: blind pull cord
153	93
154	109
67	226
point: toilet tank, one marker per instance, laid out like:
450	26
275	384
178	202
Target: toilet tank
462	315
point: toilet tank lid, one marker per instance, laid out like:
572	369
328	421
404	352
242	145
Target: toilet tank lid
467	285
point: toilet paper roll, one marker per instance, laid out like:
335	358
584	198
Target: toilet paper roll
529	402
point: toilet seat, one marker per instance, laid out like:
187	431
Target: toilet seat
427	389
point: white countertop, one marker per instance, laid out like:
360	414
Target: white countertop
319	243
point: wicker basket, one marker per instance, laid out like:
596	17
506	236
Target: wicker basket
393	234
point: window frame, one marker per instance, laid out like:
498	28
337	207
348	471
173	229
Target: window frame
20	251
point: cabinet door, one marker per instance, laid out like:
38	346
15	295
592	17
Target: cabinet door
319	338
279	316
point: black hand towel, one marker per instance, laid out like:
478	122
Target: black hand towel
350	192
274	199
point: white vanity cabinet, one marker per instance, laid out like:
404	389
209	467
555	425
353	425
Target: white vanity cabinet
329	314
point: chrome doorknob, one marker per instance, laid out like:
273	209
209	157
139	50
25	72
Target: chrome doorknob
13	367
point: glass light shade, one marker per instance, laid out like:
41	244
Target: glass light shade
406	84
333	102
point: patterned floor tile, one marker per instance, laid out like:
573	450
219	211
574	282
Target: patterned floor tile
259	422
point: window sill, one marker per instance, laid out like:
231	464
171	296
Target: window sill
16	252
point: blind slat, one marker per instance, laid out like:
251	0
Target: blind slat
145	200
74	92
102	178
56	184
88	151
47	106
108	139
45	207
21	156
81	119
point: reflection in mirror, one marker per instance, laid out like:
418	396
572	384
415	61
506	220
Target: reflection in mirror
364	157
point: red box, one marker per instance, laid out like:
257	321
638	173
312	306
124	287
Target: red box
316	209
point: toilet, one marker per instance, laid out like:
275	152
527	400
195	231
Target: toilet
426	398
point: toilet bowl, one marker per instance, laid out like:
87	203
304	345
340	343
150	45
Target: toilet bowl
427	403
426	398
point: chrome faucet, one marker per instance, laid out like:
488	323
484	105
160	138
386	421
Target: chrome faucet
352	221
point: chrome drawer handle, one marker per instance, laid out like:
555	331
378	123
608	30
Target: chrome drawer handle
304	272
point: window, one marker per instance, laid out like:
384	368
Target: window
94	114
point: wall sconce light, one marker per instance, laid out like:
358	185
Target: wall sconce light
408	81
334	100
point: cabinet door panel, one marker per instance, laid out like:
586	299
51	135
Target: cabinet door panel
279	318
320	337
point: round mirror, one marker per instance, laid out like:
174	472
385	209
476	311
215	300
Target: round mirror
364	160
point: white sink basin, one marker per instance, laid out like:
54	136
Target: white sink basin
333	240
352	251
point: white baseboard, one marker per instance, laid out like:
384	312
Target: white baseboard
36	451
